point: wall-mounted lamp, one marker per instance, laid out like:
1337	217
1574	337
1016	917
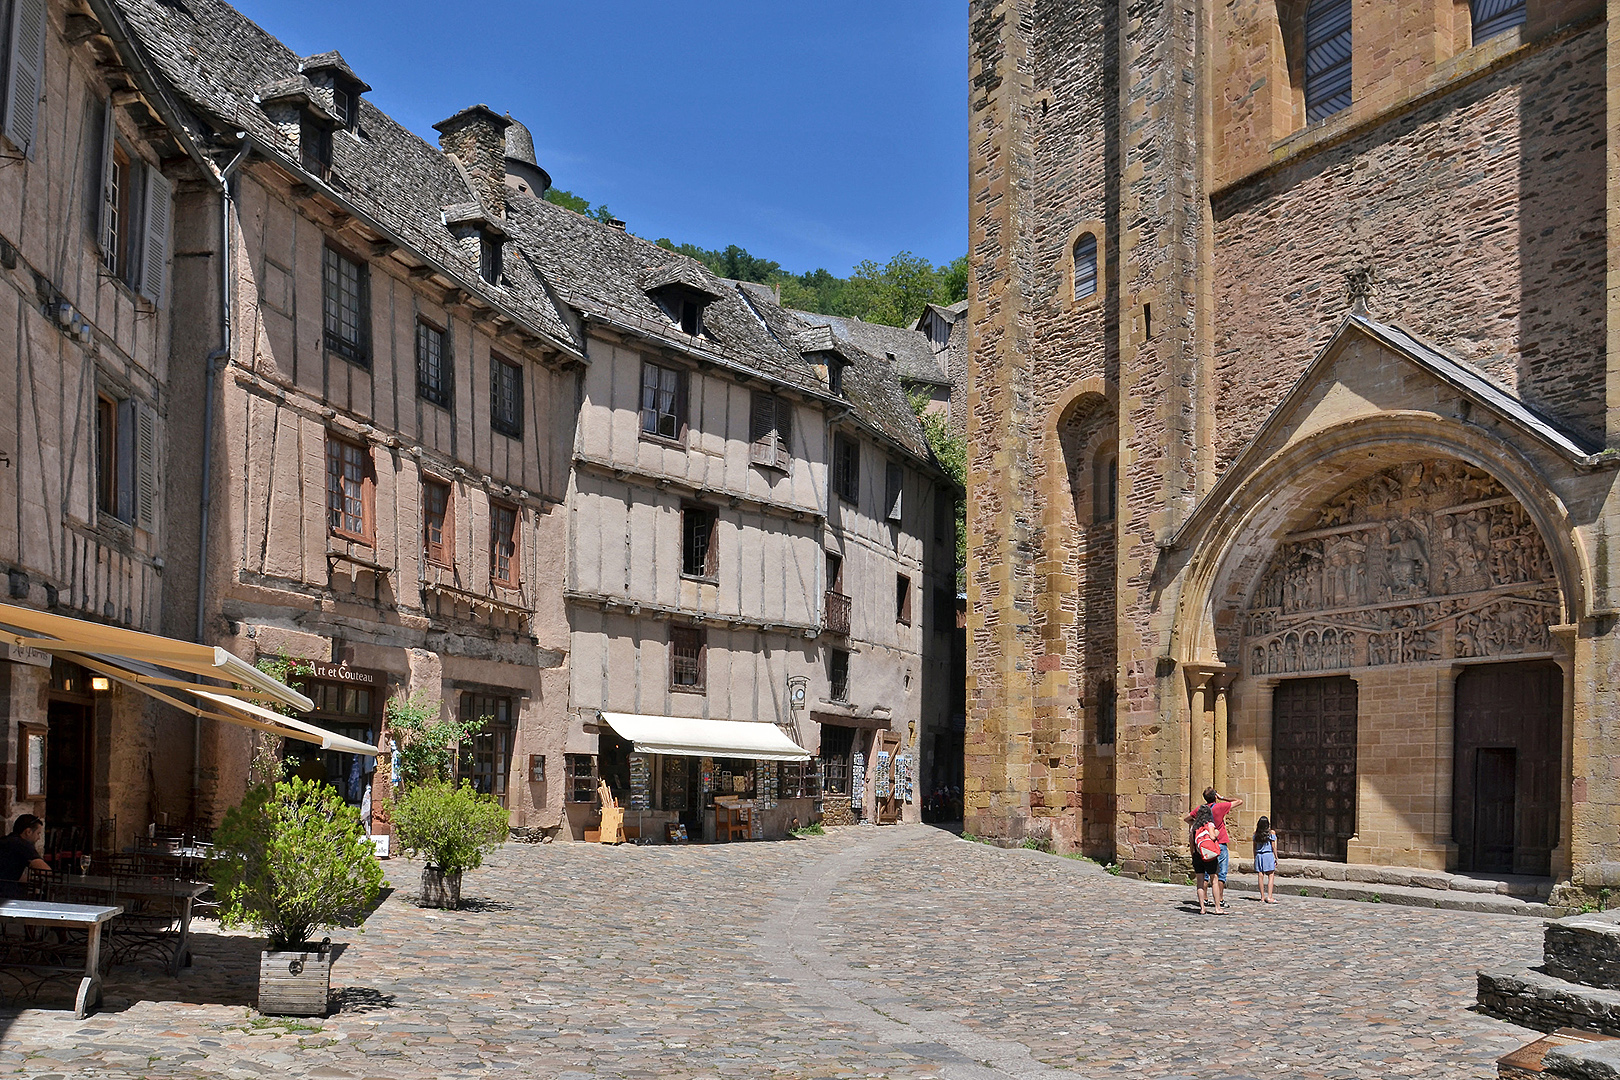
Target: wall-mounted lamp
100	683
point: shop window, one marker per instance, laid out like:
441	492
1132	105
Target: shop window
1107	718
902	599
838	674
433	373
485	759
349	710
1085	267
349	489
770	431
344	301
847	468
699	556
581	777
505	397
837	744
688	658
1327	58
503	544
438	526
1492	17
663	401
798	780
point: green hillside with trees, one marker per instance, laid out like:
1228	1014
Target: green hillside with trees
893	293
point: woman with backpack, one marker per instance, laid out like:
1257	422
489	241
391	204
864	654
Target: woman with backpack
1206	855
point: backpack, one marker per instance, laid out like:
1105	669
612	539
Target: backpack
1206	842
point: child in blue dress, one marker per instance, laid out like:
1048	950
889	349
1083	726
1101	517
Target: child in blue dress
1265	860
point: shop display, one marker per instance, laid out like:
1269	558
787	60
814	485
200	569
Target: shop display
706	778
640	783
903	777
767	786
880	774
857	779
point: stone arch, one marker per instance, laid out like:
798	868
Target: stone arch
1240	540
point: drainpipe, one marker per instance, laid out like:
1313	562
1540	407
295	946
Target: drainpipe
219	356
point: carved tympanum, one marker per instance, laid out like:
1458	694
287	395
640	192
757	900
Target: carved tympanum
1427	561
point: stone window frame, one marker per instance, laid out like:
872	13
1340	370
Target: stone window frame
1097	231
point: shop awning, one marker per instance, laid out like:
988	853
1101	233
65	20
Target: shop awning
157	666
686	737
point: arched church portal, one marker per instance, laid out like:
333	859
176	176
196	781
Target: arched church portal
1403	629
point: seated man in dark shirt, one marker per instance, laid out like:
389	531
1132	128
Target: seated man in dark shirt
19	853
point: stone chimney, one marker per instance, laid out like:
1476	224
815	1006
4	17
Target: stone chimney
476	137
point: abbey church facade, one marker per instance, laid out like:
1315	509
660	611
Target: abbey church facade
1294	400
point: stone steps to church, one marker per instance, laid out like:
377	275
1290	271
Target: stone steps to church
1566	1053
1517	885
1403	895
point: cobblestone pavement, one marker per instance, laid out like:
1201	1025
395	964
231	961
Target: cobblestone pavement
901	952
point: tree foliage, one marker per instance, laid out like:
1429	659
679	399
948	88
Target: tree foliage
424	739
292	858
569	201
453	828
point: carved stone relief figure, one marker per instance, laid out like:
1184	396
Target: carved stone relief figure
1411	564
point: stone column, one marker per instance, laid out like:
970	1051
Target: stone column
1222	690
1201	735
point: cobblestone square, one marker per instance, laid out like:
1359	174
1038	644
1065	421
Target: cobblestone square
897	952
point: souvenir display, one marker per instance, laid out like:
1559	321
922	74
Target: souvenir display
880	774
707	777
903	777
640	783
674	783
767	786
857	779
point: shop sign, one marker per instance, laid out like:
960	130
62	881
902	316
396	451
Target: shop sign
798	691
22	654
343	673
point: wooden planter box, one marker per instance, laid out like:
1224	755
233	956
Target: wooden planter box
441	890
295	983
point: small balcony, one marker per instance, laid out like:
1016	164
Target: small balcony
837	613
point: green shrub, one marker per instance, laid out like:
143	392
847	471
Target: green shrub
813	829
424	739
292	859
451	827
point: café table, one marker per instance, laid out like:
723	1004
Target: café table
88	917
144	887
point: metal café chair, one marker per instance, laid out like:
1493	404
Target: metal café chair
147	927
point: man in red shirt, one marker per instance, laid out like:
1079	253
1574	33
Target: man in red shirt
1220	808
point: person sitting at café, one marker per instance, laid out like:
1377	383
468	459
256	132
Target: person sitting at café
19	853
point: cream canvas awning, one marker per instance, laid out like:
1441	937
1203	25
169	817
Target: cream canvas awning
156	665
687	737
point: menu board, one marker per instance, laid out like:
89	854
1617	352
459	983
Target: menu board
640	782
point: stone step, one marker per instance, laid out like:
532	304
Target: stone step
1404	895
1520	885
1584	949
1530	1062
1541	1001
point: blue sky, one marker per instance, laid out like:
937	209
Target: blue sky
814	133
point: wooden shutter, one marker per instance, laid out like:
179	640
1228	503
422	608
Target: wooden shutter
128	473
895	484
762	429
784	433
146	467
155	251
26	77
104	217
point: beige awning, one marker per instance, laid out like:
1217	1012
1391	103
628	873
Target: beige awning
684	736
154	666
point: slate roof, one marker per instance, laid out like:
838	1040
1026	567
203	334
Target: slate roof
215	57
914	359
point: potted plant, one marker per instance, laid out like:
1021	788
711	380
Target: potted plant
290	860
451	827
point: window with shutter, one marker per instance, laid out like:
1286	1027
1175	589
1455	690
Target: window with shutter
688	658
698	555
503	544
128	474
106	455
146	467
438	527
25	79
155	252
902	599
894	489
762	430
846	468
1327	58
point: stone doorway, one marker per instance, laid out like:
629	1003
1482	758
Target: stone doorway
1313	767
1505	797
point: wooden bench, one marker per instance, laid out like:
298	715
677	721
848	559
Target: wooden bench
88	917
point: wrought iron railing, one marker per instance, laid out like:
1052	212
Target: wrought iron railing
837	614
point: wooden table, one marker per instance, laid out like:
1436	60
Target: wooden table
145	887
74	916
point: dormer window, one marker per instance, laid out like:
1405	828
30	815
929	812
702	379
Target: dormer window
681	290
315	147
835	375
331	73
489	258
